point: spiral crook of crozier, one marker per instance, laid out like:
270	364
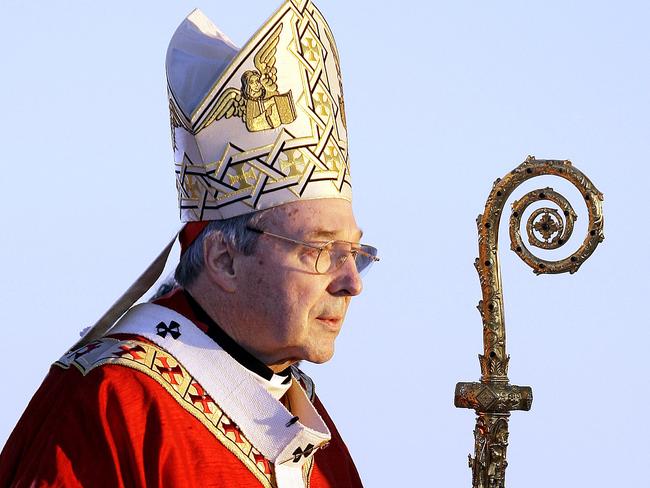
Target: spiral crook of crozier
548	228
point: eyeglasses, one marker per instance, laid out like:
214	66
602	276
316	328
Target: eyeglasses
333	254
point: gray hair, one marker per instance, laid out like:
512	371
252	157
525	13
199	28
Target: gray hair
234	232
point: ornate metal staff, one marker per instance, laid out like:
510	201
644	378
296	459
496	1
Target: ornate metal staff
494	397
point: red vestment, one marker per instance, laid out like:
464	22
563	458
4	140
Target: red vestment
118	427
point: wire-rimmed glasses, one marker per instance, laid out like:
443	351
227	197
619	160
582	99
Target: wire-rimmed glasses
333	254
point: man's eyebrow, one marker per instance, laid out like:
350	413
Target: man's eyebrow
326	234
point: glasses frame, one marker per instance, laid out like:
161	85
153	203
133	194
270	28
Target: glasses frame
321	247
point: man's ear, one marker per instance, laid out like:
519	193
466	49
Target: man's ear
218	262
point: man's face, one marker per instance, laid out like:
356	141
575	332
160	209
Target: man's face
290	312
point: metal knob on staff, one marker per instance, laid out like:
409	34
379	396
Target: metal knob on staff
494	397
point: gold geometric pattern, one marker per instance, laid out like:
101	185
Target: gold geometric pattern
322	105
161	366
293	162
310	49
332	158
303	155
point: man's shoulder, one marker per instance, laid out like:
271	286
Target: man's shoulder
124	350
124	365
126	395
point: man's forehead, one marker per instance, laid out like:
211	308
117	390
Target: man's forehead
323	218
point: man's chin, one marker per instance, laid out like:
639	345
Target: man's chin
321	356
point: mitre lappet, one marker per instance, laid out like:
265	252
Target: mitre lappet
252	128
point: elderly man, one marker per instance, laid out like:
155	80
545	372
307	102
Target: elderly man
201	386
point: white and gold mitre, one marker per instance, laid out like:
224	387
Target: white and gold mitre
261	126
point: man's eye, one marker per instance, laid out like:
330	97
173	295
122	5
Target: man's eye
309	252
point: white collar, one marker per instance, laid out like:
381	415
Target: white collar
277	386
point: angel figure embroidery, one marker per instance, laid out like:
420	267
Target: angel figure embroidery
258	103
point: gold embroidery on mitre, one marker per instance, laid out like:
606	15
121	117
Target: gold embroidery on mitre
337	61
162	367
293	162
243	178
258	103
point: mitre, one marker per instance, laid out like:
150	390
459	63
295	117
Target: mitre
260	126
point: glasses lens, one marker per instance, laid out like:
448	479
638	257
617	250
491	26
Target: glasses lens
365	256
324	260
333	256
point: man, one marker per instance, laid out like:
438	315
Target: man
201	387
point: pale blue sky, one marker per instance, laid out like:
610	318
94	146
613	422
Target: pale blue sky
441	99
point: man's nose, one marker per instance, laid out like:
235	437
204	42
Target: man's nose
346	280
